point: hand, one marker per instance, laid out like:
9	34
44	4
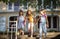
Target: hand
47	25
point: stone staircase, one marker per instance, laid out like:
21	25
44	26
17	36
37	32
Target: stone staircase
50	35
25	37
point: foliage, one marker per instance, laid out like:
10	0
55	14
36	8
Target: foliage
24	2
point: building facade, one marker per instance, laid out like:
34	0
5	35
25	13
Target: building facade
9	13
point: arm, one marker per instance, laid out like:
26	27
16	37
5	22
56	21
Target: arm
37	19
24	21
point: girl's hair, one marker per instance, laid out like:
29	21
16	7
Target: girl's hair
42	10
27	12
20	12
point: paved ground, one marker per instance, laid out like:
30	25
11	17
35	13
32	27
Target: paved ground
50	35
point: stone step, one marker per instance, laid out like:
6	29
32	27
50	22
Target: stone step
4	37
31	38
25	37
22	37
36	36
28	37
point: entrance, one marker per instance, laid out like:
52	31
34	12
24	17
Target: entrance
53	22
12	28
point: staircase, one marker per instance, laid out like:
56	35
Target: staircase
50	35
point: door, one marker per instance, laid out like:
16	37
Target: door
12	28
53	22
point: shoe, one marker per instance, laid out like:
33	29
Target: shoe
40	38
31	36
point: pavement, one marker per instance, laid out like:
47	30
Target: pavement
50	35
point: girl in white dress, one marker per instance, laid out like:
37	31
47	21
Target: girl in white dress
21	22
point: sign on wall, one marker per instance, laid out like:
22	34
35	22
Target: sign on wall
2	24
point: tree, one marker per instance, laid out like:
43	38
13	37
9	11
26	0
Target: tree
5	1
47	2
32	2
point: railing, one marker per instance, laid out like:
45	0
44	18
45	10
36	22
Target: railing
13	26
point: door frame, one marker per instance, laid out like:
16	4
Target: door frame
52	23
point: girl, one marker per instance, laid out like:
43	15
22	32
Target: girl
29	17
43	23
21	22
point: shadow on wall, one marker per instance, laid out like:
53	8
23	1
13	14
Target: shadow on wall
57	37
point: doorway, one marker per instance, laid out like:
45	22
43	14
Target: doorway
53	22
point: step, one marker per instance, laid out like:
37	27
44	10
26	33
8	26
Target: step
31	38
4	37
23	36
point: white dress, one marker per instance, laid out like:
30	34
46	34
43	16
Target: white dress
21	22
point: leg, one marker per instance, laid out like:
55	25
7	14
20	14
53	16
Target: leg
28	27
40	31
22	32
31	26
18	33
22	29
45	30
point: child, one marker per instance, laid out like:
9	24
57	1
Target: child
43	23
29	17
21	22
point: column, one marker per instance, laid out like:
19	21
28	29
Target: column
12	6
51	22
59	23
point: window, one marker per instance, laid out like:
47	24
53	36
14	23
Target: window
12	24
13	6
2	24
16	6
54	21
10	6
